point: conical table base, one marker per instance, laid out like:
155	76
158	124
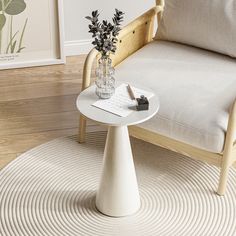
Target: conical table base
118	193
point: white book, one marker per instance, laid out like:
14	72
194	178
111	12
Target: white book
120	103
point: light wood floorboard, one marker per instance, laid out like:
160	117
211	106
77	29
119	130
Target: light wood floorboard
6	158
73	69
39	123
38	105
39	90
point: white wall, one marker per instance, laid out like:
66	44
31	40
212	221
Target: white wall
76	26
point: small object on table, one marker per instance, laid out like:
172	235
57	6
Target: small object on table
131	93
143	103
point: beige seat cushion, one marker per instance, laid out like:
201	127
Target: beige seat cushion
196	89
209	24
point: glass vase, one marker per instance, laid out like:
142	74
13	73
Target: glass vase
105	82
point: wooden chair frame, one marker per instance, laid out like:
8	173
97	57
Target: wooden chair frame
133	37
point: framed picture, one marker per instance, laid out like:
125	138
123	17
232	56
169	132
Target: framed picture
31	33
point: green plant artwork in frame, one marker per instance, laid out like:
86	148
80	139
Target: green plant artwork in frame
15	39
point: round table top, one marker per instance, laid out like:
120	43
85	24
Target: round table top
88	97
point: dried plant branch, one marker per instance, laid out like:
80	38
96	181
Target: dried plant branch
105	33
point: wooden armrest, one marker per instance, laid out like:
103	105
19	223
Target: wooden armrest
231	129
232	120
88	64
131	38
233	117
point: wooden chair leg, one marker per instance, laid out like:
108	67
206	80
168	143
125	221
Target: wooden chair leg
82	129
227	158
223	180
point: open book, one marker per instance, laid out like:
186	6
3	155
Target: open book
121	103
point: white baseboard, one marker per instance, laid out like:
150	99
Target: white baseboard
77	47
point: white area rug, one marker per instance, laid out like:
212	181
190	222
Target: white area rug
50	190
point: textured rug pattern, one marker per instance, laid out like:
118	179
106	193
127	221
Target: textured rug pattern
50	190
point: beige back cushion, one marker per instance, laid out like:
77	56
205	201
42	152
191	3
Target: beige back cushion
208	24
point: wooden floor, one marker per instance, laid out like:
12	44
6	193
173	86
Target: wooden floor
37	105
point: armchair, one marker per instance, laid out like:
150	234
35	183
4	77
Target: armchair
170	130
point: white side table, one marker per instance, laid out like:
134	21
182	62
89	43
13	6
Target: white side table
118	193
